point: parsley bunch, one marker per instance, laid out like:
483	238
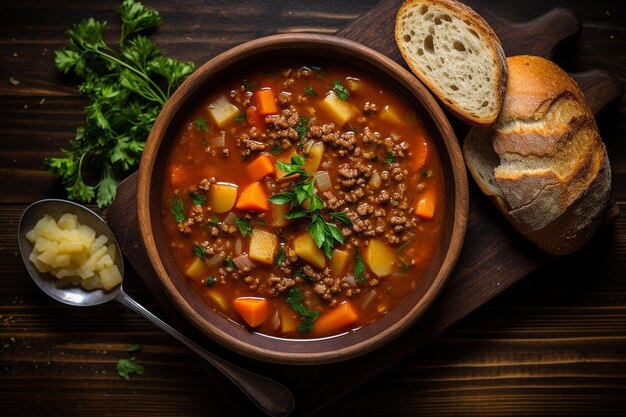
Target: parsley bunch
126	89
324	232
307	317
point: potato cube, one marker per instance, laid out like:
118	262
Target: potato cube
353	84
110	277
338	262
313	159
222	196
340	111
222	111
380	258
306	249
278	215
197	269
262	246
389	114
67	221
217	300
288	320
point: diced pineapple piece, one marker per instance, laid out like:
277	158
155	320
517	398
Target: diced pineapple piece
98	243
338	262
222	111
197	269
340	111
263	246
67	280
86	235
380	258
43	244
66	272
31	236
49	254
67	221
104	262
51	231
41	266
79	258
61	261
306	249
222	196
67	246
278	215
390	114
286	158
42	223
313	159
92	283
110	277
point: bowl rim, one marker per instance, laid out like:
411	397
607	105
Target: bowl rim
432	111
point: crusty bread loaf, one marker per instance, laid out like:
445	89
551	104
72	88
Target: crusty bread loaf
452	50
543	163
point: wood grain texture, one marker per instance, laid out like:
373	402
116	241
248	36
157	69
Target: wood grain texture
551	345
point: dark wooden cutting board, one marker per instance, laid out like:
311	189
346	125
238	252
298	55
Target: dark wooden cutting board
494	256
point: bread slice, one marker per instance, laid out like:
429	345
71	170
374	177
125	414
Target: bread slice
543	163
452	50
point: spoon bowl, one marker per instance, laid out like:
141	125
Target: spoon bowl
271	397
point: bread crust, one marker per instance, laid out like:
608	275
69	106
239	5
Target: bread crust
480	26
552	180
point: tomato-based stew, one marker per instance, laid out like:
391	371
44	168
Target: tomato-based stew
303	201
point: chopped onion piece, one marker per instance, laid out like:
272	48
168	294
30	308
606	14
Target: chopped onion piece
375	180
322	179
243	263
230	219
276	320
215	260
349	280
307	146
238	246
367	299
219	140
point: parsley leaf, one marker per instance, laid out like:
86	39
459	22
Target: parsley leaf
198	251
341	216
340	90
245	228
127	367
228	263
307	317
201	125
309	91
280	257
126	91
209	281
359	268
197	199
389	159
241	117
250	85
178	210
302	128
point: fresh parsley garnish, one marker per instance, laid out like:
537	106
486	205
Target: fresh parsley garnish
260	221
250	85
309	91
307	317
126	90
228	263
389	159
201	125
213	221
276	149
340	90
359	268
302	128
178	210
244	226
197	199
199	251
280	257
323	232
127	367
209	281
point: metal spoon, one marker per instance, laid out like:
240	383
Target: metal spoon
270	396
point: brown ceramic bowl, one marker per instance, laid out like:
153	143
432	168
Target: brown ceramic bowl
151	176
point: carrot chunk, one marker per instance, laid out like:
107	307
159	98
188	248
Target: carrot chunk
253	310
254	118
336	319
425	207
265	101
253	198
260	167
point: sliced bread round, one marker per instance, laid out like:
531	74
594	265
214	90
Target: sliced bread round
452	50
543	163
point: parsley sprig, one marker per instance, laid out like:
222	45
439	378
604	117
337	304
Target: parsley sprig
324	232
127	89
307	317
342	92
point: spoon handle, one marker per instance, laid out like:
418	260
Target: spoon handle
270	396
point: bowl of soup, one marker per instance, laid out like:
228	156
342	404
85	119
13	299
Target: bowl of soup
302	199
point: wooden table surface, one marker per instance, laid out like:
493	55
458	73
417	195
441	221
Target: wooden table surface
554	344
